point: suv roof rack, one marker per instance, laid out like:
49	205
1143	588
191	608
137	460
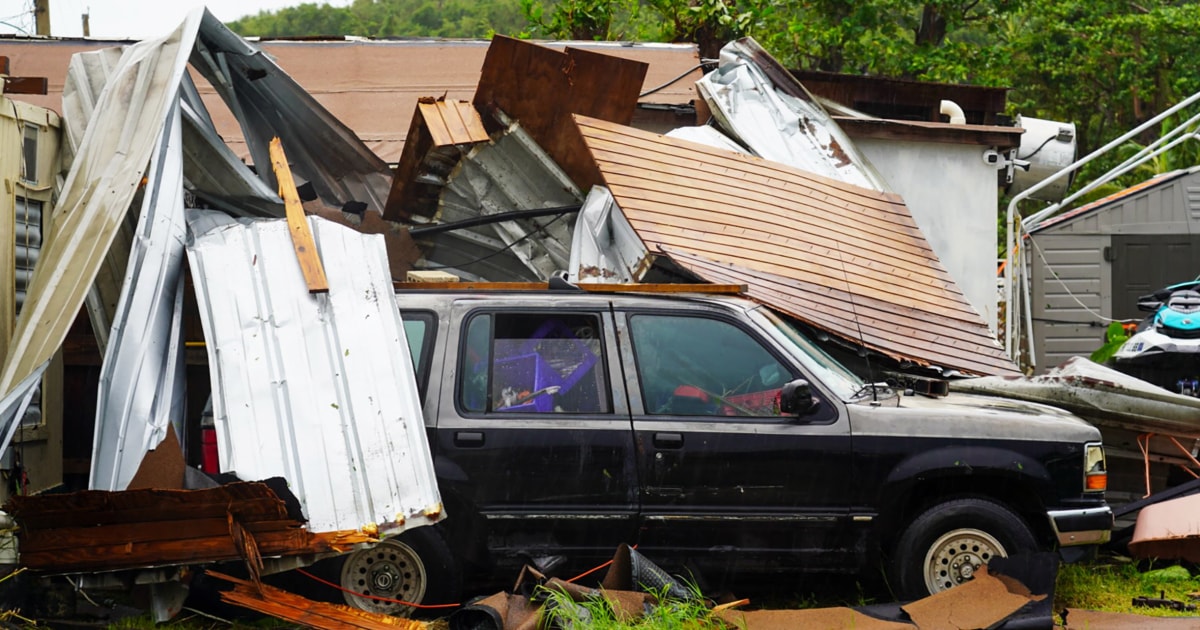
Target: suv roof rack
589	287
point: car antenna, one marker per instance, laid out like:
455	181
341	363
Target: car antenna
862	340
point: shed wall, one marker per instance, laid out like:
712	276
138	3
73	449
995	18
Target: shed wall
1068	277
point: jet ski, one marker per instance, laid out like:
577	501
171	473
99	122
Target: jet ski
1165	350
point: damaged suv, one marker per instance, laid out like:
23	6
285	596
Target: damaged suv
711	433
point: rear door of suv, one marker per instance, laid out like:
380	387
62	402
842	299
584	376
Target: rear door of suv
530	435
726	478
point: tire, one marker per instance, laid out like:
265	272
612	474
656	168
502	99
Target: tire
416	566
947	543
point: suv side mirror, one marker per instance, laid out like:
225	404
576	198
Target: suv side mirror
795	398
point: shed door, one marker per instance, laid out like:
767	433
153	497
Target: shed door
1143	264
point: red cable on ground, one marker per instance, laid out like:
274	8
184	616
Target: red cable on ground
591	571
375	597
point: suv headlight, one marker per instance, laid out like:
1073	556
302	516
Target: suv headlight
1095	470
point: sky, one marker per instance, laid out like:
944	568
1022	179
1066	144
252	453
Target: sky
134	19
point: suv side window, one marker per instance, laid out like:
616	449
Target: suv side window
533	363
420	332
697	366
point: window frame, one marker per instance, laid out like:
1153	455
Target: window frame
424	364
764	341
602	362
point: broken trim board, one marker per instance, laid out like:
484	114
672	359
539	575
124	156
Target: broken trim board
302	238
315	388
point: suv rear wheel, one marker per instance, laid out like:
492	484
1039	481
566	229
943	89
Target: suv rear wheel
415	567
946	545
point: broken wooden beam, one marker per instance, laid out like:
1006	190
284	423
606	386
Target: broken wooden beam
281	604
302	238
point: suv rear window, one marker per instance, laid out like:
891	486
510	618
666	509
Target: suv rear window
533	363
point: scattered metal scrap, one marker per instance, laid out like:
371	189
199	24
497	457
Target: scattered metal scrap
1168	529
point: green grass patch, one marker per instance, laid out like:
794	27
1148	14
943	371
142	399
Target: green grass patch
595	613
1111	586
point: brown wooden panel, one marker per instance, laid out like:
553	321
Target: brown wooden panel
770	226
165	552
541	88
25	85
670	154
721	209
140	532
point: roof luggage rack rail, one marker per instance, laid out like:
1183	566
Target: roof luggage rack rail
589	287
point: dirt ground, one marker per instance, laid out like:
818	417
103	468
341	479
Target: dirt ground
1092	620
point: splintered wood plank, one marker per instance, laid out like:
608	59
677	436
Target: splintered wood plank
25	85
281	604
144	532
302	238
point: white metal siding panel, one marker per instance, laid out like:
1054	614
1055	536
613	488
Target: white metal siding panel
1193	207
318	389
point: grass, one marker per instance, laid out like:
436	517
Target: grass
596	613
1111	585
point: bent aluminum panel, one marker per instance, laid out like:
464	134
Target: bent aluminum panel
781	121
112	156
512	173
14	404
316	388
142	378
268	103
604	247
1100	395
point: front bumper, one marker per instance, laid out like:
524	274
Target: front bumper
1084	526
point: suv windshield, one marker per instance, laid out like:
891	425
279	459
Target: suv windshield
845	384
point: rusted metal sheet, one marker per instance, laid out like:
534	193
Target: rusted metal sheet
110	531
280	604
846	259
1168	530
539	87
441	131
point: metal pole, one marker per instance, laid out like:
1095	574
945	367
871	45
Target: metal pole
41	13
1011	323
87	29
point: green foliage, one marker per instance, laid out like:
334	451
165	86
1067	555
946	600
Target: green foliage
389	18
1112	586
596	613
1114	337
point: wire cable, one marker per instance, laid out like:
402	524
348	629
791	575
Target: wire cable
540	230
675	80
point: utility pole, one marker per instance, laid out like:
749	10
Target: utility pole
41	13
87	29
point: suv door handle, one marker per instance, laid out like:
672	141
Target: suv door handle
468	439
668	440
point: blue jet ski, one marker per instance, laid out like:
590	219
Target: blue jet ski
1165	350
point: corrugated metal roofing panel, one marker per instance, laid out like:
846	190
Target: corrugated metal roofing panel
104	177
141	388
805	244
315	388
1110	199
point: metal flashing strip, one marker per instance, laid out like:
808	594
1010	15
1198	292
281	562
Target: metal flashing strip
316	388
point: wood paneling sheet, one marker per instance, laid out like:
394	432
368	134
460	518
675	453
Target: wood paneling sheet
843	258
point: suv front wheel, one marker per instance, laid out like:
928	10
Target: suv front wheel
946	545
